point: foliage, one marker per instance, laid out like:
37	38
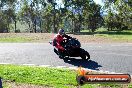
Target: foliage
8	15
119	14
48	15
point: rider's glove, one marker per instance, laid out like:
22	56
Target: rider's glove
65	49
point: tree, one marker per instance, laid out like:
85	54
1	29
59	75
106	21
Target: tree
73	10
95	19
53	3
124	10
28	14
9	12
47	18
35	4
3	22
121	14
84	13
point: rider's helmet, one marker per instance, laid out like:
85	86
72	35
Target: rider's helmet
61	32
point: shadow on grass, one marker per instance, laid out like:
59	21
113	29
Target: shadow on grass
83	63
105	32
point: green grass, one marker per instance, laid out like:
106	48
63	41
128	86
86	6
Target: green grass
58	78
115	35
125	35
52	77
15	39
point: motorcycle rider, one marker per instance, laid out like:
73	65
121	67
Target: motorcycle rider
58	41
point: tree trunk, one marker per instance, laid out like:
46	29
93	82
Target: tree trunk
15	25
35	26
55	29
40	26
79	28
29	27
8	28
72	26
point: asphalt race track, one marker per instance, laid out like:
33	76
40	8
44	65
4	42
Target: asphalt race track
114	57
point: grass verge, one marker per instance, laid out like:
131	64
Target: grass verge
58	78
46	77
115	35
99	36
125	35
15	39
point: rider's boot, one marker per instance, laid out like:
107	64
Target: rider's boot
61	54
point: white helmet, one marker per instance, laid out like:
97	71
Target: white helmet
61	32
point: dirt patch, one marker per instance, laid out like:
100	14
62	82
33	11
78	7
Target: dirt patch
15	85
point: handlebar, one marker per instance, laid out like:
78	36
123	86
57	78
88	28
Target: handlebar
51	42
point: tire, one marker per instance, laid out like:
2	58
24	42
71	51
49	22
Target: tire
80	80
82	54
56	51
61	57
87	54
83	57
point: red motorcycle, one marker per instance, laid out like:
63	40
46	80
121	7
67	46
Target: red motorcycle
72	49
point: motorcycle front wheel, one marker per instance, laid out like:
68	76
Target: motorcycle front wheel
84	54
